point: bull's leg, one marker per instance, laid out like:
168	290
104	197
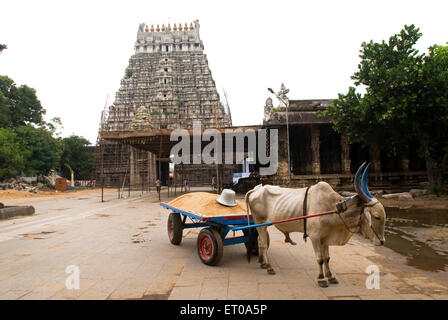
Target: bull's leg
320	261
288	239
263	249
326	254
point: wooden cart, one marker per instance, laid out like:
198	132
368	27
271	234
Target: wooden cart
200	210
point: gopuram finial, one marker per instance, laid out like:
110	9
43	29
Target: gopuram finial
283	94
191	26
146	28
175	27
180	26
152	28
158	28
196	24
186	26
163	27
169	27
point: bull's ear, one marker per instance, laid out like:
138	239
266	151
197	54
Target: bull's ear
368	217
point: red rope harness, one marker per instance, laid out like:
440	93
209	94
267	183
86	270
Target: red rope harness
306	217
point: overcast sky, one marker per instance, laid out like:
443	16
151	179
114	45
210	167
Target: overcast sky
74	53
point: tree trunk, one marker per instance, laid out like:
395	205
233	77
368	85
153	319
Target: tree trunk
434	174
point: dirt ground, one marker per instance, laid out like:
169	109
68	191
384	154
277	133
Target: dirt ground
10	197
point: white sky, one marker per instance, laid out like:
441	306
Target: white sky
74	53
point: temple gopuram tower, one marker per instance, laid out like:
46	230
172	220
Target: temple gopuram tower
167	85
169	77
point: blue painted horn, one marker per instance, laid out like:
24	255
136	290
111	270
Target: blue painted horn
360	183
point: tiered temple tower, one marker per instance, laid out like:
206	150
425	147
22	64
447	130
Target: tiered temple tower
168	82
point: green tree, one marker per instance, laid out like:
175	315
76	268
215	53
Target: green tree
19	106
54	126
12	154
77	155
405	100
43	152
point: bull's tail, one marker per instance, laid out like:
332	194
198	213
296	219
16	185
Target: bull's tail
249	243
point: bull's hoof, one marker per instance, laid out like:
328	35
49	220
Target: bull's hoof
322	283
288	239
333	281
263	266
271	271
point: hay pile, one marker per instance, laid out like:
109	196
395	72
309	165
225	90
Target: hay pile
205	204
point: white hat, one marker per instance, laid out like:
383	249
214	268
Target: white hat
227	198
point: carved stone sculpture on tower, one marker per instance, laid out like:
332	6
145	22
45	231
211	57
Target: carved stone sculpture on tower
141	119
282	94
268	109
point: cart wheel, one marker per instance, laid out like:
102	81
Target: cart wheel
254	240
210	248
175	228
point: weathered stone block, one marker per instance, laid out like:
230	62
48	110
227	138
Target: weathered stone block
14	211
399	196
418	192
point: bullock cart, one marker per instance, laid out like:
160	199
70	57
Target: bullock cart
200	210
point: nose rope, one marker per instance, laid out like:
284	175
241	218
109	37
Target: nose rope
381	241
374	232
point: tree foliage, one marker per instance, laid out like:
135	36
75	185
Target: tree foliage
19	106
77	156
43	150
30	145
12	154
405	100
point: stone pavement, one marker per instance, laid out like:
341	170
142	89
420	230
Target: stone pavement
122	250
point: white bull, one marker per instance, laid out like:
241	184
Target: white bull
361	213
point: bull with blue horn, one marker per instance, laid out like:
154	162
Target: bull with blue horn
372	210
320	213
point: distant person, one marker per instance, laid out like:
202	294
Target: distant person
264	180
186	185
213	183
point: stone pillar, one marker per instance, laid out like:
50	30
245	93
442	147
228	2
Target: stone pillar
404	162
282	170
375	158
131	166
345	155
315	143
152	169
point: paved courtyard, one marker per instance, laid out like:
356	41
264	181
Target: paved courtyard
123	252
